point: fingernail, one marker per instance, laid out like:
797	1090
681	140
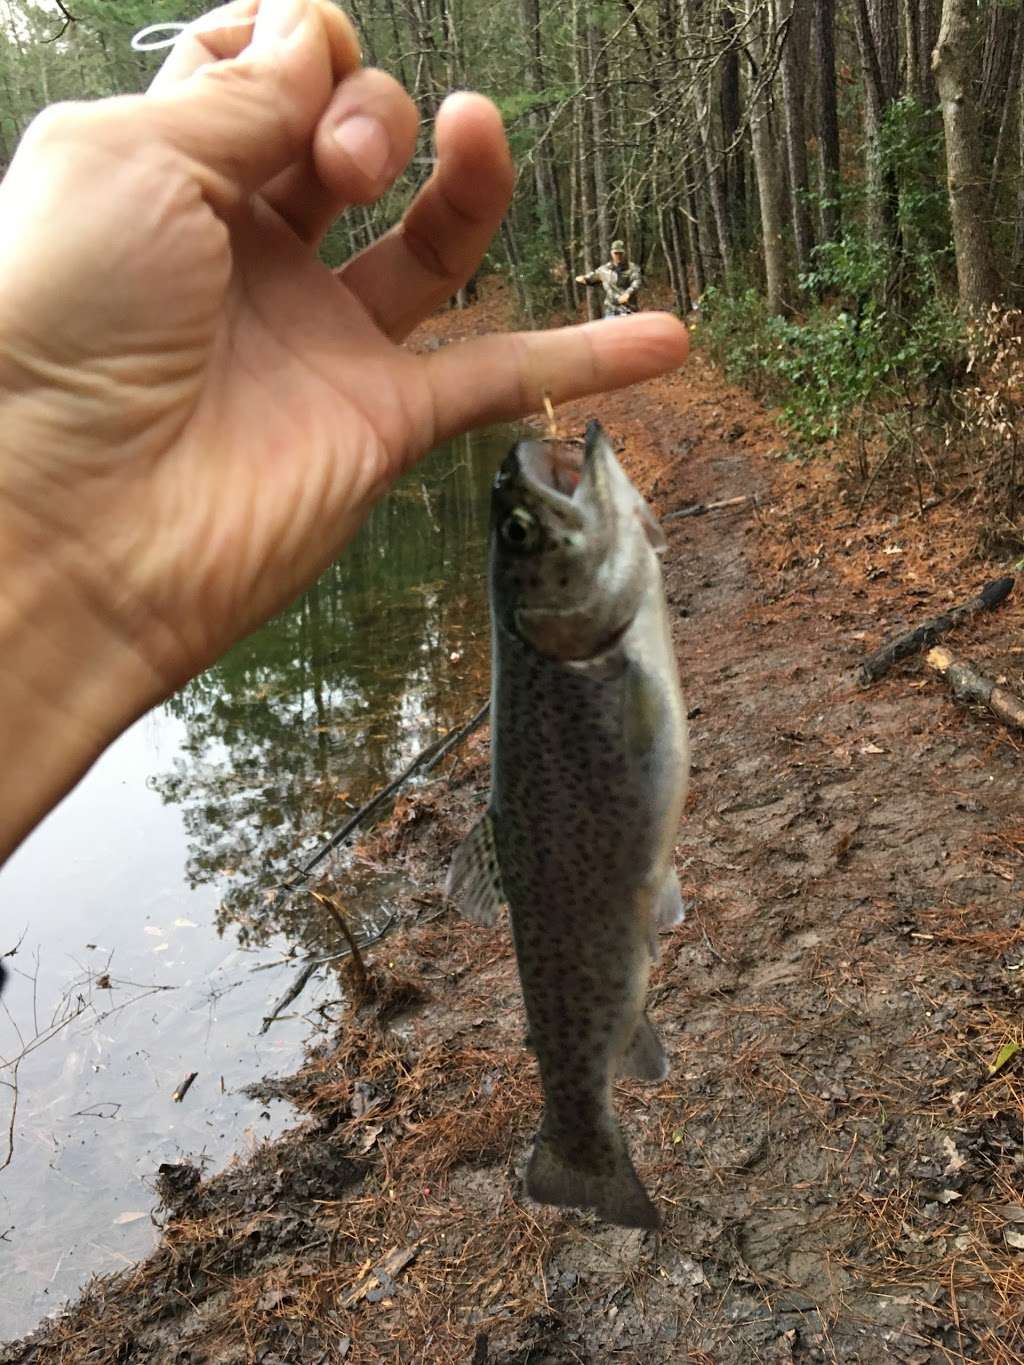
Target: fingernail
366	144
276	20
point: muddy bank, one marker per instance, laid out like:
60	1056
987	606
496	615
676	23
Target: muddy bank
840	1178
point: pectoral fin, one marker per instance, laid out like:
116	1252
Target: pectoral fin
652	527
643	710
670	909
474	878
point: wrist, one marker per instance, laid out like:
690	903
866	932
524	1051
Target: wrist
69	683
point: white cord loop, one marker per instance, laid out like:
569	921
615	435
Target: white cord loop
147	39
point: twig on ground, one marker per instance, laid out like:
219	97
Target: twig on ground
698	509
968	685
184	1088
912	641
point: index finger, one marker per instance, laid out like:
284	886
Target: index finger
500	378
243	120
205	41
226	32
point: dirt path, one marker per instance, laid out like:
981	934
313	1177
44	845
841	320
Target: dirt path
839	1179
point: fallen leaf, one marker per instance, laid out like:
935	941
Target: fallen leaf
370	1135
185	924
1014	1239
949	1197
956	1161
379	1278
871	749
1005	1054
271	1300
152	929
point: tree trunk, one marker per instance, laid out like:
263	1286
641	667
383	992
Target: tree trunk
998	74
928	34
549	204
1017	267
584	158
877	41
766	169
795	15
598	62
977	279
704	105
918	41
694	244
1008	119
829	172
732	137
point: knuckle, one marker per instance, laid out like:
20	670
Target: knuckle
82	121
56	124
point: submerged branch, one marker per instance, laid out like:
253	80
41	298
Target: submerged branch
310	966
426	759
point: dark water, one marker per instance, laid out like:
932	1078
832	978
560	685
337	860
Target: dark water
145	902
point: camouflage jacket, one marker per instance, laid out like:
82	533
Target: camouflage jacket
617	280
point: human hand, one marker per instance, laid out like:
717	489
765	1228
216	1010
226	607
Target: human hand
195	415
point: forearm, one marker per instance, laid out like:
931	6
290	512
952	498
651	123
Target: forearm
68	684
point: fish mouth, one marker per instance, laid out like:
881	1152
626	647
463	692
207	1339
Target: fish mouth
553	470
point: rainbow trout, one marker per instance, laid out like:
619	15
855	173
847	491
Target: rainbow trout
589	772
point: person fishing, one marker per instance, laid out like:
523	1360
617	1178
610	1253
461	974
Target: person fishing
620	279
197	414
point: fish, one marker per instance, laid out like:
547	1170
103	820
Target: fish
589	774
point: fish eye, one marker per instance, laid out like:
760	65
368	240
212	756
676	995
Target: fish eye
519	530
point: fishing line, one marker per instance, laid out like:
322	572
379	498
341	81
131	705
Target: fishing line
146	40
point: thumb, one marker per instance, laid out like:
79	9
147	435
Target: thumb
244	120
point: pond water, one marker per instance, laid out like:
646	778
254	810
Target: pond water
144	905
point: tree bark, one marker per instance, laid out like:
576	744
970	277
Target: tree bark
877	40
598	63
977	278
766	169
545	178
827	111
732	138
795	15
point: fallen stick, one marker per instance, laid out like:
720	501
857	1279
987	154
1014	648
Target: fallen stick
968	685
697	509
434	750
358	966
455	739
184	1088
913	641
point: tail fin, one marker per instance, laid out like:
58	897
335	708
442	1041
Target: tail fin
613	1191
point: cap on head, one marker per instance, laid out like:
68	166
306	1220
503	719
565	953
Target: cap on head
619	245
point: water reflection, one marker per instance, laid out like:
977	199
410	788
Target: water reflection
304	720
